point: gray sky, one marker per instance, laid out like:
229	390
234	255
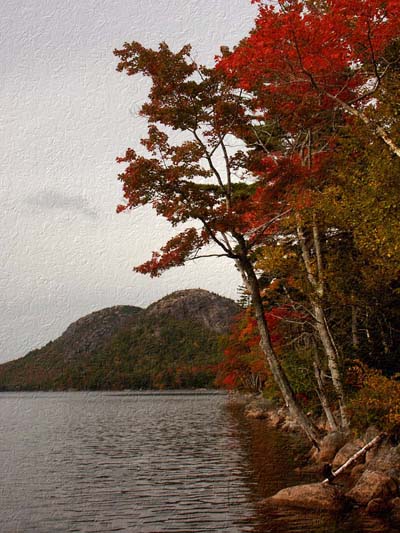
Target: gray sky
65	116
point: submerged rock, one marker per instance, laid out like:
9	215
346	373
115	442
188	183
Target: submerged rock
258	408
314	496
275	418
256	412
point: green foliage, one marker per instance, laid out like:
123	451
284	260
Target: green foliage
150	354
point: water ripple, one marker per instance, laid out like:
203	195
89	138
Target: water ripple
109	462
146	463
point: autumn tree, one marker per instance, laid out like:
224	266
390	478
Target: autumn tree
308	73
362	203
309	69
315	57
201	179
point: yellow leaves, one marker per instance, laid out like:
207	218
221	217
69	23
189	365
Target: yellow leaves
276	260
377	401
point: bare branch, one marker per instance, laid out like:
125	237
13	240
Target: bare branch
210	161
204	256
263	227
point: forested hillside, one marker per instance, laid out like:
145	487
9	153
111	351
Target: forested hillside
176	343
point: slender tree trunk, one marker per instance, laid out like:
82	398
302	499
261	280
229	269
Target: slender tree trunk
354	457
321	324
377	130
322	396
251	282
330	351
354	328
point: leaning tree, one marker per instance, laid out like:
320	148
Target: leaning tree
195	172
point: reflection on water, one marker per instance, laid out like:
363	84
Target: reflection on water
271	458
102	462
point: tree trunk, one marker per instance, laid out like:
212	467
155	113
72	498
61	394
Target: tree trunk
377	130
330	351
251	282
322	396
354	328
321	324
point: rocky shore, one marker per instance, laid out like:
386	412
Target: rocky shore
370	484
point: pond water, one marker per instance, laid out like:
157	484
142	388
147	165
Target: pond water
149	463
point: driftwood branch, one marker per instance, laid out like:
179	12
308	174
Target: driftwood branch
354	458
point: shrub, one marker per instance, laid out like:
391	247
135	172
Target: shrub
377	401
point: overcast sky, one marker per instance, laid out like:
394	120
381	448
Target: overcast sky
65	115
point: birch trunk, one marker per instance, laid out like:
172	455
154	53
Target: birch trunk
330	351
377	130
321	324
322	397
354	457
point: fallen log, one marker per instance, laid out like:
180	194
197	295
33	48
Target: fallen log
353	458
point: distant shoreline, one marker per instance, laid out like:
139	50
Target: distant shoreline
150	392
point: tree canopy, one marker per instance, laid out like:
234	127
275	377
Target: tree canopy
284	158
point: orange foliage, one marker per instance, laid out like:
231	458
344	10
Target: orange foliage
377	400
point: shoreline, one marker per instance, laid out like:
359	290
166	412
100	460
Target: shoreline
369	486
